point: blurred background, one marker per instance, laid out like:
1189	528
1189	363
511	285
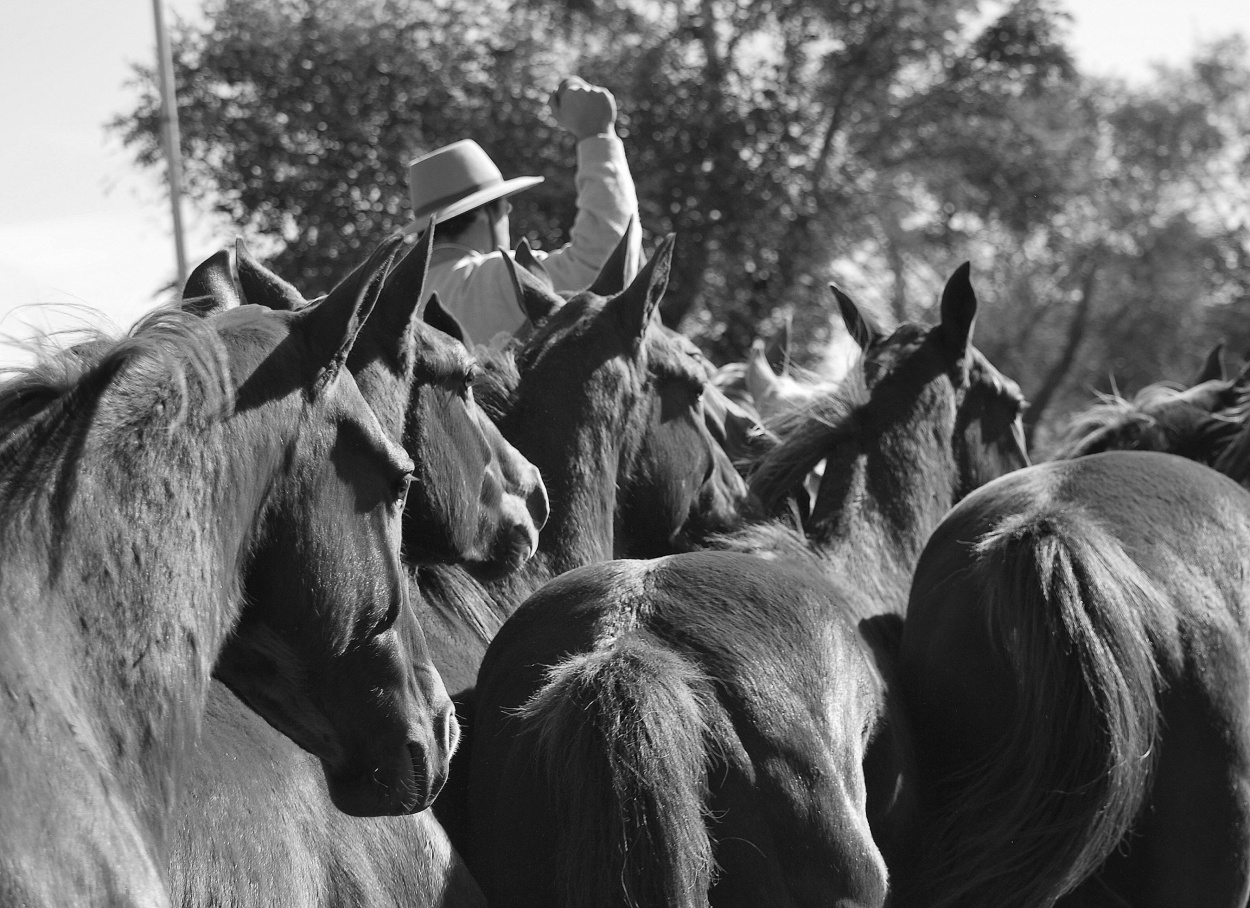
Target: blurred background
1090	158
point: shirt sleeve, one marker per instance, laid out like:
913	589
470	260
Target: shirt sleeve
607	204
476	287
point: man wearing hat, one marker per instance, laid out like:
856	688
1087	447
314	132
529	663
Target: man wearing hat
462	189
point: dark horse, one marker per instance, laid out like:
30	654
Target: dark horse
255	824
1197	421
150	488
714	727
1077	652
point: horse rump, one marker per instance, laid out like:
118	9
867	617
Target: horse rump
1066	617
621	732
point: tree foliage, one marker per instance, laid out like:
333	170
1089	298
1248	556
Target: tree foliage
786	142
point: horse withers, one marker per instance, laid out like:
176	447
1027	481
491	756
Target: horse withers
1077	655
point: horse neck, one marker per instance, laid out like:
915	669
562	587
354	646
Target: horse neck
880	500
580	463
128	565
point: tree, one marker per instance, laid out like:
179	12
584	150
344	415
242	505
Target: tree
764	135
875	142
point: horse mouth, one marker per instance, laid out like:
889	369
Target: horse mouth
513	547
365	793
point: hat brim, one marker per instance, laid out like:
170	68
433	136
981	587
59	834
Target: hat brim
508	187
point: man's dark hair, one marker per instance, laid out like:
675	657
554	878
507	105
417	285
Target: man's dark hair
451	228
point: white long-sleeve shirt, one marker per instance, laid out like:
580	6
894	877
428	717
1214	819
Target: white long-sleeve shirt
475	286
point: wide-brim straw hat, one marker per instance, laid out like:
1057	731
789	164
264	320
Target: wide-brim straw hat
455	179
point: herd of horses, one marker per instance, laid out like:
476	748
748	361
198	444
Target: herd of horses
278	575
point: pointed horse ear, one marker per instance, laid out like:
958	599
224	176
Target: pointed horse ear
391	329
334	323
211	286
1212	367
959	311
524	256
861	331
613	276
1242	379
262	287
438	316
536	299
384	337
777	351
760	377
638	303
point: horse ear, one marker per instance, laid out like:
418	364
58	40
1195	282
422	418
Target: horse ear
524	256
333	323
1213	367
406	280
262	287
614	274
856	325
777	351
959	311
760	377
536	300
640	301
438	316
211	286
386	336
1242	380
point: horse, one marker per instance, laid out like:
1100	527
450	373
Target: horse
158	493
719	727
1197	421
1077	656
257	825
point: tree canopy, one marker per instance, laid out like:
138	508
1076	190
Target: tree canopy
786	143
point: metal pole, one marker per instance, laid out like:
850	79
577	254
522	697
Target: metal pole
169	130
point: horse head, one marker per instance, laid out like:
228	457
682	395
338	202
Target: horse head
608	365
316	650
983	406
474	499
911	387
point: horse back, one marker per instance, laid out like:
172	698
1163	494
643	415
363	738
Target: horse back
1111	584
763	702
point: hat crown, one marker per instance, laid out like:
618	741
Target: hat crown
462	167
455	179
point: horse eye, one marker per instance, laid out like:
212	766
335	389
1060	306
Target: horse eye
392	615
401	490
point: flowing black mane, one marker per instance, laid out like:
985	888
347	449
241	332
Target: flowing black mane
1160	417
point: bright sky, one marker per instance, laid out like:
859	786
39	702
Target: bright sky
83	230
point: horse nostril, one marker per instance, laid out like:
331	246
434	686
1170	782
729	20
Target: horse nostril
448	728
538	504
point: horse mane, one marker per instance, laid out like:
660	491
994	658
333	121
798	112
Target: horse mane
47	408
495	384
807	436
1148	409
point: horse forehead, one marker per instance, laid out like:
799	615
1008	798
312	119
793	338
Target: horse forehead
347	411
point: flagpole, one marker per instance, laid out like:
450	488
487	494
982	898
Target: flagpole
169	131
